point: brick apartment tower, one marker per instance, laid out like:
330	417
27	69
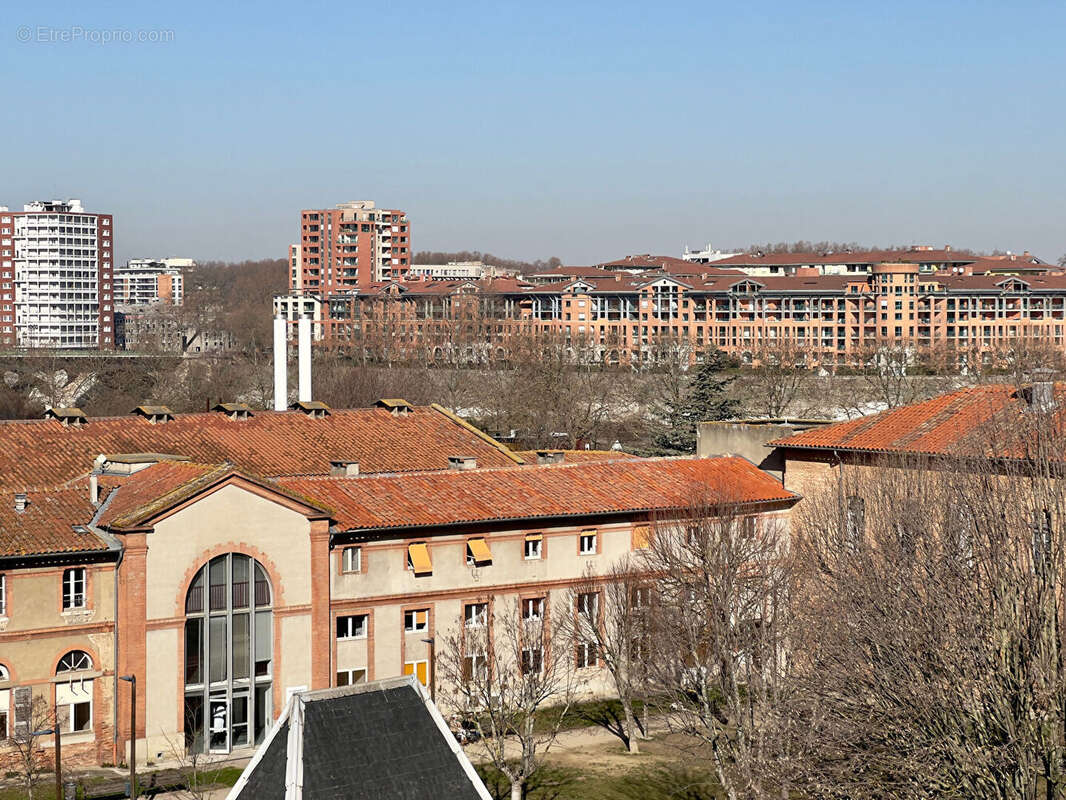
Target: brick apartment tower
56	277
348	247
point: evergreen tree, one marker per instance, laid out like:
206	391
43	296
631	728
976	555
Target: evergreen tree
702	398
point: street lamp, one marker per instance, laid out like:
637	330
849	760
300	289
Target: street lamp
59	772
432	642
132	681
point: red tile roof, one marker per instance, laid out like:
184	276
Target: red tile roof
45	525
601	487
943	425
41	453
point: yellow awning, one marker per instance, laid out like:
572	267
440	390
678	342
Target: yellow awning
419	555
641	537
420	617
533	537
479	548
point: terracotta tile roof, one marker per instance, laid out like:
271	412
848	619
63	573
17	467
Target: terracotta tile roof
41	453
46	524
907	256
943	425
600	487
160	486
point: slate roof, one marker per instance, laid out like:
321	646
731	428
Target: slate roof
383	740
943	425
40	453
598	487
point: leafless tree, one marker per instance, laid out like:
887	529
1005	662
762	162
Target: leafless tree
778	375
22	752
929	619
612	613
510	675
719	653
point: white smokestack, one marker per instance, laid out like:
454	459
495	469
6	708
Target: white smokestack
281	366
304	332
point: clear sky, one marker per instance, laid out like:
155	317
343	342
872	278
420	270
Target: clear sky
532	129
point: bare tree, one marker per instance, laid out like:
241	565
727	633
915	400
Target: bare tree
719	652
779	374
929	623
22	752
618	630
510	677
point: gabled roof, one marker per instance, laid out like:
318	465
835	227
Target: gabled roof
371	741
944	425
41	453
47	523
561	490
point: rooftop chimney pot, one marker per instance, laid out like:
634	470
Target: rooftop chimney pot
462	462
21	502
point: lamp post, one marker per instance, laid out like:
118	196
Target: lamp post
58	737
132	680
432	642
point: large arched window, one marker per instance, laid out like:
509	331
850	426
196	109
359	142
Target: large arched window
74	693
228	655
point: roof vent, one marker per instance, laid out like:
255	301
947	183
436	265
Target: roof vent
154	414
343	469
312	408
550	457
397	405
235	411
71	416
462	462
21	501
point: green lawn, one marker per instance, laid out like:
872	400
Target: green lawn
664	782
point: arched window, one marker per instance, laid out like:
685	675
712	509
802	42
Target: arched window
5	703
74	697
229	651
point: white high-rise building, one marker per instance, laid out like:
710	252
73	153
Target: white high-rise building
55	276
149	281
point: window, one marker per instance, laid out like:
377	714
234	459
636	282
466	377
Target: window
3	596
5	703
477	553
588	604
532	660
74	588
350	677
476	614
533	544
416	621
352	559
352	626
475	665
586	655
74	698
419	669
641	537
418	559
588	543
229	646
533	608
855	522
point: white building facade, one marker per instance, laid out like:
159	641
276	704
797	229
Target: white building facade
56	277
147	281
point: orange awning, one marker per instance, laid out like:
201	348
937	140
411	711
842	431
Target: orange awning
642	537
479	548
420	617
533	537
419	555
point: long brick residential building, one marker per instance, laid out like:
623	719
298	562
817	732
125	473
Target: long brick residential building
624	311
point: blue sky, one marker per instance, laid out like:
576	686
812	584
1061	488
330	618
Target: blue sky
585	131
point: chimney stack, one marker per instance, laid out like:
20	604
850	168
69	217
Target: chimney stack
462	462
1042	391
304	357
346	469
20	501
550	457
281	365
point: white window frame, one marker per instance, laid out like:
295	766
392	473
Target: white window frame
590	537
410	621
3	601
531	605
532	553
352	559
479	616
588	605
587	655
72	577
355	631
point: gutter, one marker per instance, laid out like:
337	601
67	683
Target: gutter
114	544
